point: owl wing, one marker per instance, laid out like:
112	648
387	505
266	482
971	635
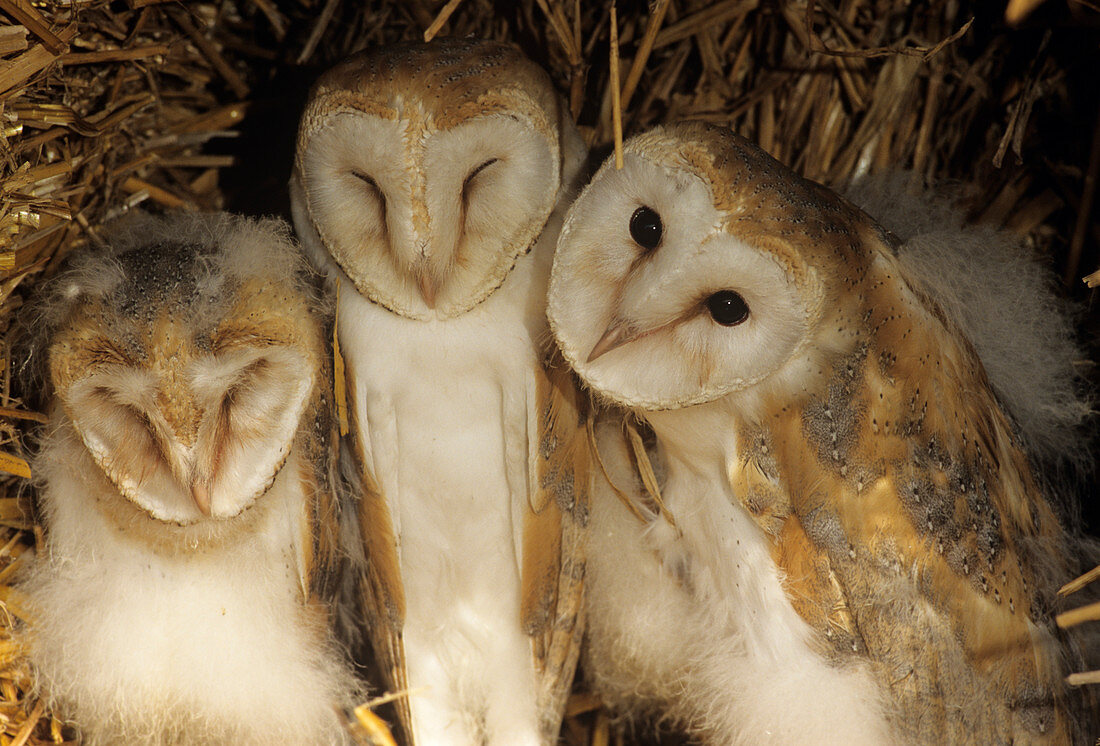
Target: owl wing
321	557
911	533
553	555
944	628
381	589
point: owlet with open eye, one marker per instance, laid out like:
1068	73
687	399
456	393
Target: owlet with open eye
851	547
188	492
429	185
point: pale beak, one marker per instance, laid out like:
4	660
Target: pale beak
200	493
428	287
617	334
620	332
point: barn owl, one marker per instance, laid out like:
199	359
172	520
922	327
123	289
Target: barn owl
187	493
855	551
426	185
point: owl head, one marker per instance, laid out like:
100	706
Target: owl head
709	266
426	170
184	355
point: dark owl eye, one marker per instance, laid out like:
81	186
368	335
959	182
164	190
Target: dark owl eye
727	308
645	228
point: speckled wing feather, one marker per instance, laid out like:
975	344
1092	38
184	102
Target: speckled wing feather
554	537
382	592
909	526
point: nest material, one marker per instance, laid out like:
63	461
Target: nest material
193	106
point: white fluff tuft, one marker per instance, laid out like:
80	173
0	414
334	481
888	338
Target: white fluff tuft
668	643
179	645
638	616
1003	299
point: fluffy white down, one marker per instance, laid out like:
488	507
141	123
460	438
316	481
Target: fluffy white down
641	621
254	249
1003	298
153	634
694	627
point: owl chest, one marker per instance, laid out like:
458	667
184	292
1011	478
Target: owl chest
93	527
442	415
439	404
147	605
724	560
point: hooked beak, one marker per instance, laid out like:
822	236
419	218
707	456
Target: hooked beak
617	334
426	281
427	285
200	493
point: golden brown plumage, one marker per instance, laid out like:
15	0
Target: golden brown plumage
554	536
902	495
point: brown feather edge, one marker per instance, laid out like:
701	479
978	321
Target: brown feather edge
553	576
320	479
380	584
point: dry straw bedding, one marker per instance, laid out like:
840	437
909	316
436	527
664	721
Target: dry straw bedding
105	106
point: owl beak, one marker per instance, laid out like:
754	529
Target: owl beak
618	334
200	493
428	286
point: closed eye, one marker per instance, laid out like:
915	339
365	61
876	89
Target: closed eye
230	336
372	185
473	174
104	352
480	168
366	179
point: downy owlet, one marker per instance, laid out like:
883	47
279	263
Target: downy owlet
187	493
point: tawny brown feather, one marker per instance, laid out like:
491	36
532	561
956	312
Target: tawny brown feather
909	492
895	476
554	532
382	592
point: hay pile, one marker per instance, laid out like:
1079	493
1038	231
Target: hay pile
110	105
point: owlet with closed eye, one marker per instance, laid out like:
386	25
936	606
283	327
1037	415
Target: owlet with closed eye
427	185
187	493
858	551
